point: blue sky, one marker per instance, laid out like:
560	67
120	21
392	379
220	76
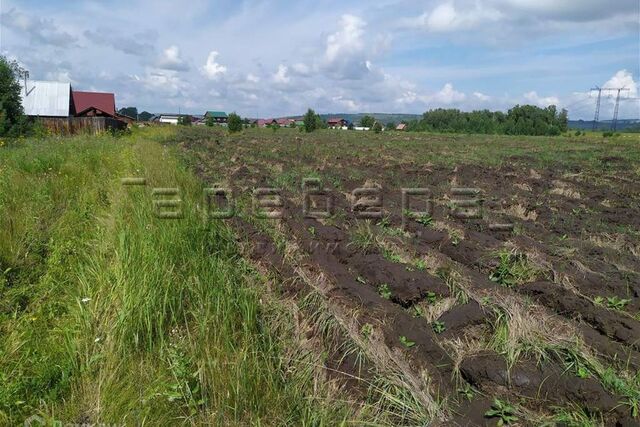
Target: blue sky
275	57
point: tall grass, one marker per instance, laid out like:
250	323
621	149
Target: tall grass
110	314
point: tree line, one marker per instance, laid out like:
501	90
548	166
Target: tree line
519	120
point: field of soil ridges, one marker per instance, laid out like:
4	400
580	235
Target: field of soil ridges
485	279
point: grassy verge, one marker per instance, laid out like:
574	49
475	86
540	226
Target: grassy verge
110	314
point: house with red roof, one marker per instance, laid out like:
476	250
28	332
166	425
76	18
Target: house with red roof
93	104
337	123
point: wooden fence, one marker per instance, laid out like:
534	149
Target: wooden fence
76	125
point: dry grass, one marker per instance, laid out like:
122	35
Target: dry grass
521	212
562	188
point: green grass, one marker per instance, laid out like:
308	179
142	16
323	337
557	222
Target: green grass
109	314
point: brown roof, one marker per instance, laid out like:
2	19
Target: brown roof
105	102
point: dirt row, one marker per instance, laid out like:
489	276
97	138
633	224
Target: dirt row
389	293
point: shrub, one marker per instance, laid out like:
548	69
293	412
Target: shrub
235	123
377	127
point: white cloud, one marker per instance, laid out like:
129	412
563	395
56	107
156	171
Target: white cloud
166	82
60	76
41	30
540	101
212	69
623	79
346	53
448	95
281	76
446	17
301	69
171	60
251	78
481	96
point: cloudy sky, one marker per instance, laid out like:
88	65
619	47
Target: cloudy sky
278	57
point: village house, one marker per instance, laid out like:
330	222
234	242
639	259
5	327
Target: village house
218	116
93	104
285	122
263	123
61	109
401	126
337	123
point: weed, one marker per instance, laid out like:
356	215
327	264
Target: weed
407	342
366	330
385	222
513	269
364	237
431	297
424	219
384	291
503	411
391	256
438	327
467	391
421	265
616	303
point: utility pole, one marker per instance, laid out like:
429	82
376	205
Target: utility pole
596	117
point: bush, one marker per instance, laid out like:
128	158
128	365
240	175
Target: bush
377	127
578	133
234	123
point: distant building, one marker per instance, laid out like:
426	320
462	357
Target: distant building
263	123
46	99
284	122
337	123
401	126
218	116
93	104
168	118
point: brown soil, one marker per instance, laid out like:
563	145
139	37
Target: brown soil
572	270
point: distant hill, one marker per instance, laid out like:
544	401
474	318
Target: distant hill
623	125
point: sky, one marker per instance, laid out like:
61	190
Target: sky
273	58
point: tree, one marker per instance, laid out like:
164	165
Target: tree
210	121
234	123
145	116
391	126
184	120
13	122
292	125
367	121
377	127
310	122
129	112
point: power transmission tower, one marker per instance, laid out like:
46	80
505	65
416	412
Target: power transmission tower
596	117
614	123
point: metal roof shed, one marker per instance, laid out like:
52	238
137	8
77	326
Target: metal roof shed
46	99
